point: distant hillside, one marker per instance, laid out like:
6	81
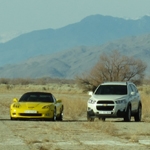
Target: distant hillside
78	60
9	36
92	31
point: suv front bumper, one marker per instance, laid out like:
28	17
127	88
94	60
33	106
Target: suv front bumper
108	114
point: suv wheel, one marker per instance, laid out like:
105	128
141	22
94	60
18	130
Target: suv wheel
128	114
103	119
137	116
89	118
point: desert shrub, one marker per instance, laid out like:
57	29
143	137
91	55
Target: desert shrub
113	67
4	81
74	109
35	81
145	96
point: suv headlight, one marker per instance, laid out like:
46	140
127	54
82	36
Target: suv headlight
121	101
91	101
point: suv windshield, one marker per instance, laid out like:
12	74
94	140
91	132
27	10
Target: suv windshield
111	90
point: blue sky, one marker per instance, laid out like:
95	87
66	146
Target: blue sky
29	15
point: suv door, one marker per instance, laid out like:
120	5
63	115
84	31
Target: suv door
137	96
131	97
134	97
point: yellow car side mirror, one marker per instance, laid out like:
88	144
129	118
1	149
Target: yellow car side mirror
15	100
58	101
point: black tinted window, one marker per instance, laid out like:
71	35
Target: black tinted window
36	97
134	88
112	90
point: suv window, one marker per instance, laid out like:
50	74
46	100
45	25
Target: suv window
133	88
111	89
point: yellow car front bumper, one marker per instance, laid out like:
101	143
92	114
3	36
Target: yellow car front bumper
31	114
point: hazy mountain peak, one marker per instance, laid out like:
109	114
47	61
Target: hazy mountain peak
62	49
5	37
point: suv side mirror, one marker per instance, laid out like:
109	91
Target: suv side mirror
90	93
132	93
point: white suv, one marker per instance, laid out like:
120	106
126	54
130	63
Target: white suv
115	100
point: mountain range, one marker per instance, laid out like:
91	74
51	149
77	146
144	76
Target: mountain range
73	49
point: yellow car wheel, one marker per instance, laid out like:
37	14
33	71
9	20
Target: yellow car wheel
60	117
11	118
54	115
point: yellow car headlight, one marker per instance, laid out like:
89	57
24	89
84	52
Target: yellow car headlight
46	107
16	106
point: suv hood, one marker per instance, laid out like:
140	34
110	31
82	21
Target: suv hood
108	97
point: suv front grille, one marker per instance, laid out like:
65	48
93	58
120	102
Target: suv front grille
105	105
105	102
105	108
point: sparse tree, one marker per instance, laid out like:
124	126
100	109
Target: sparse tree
113	67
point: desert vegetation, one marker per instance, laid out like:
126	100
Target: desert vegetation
74	131
73	97
113	67
35	81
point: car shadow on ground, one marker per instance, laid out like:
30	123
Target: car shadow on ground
8	119
37	120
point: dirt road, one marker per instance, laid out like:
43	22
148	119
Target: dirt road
70	134
73	135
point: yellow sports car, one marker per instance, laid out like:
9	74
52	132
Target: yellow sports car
37	105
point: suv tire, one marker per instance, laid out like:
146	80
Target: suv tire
137	116
127	117
89	118
103	119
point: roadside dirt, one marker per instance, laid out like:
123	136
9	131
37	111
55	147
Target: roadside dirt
70	134
73	135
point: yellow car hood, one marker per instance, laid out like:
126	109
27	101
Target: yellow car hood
31	105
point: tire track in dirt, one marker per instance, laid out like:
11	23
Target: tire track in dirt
8	140
68	134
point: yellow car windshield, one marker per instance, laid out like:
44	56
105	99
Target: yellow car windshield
37	97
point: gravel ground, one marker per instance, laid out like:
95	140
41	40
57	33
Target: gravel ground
70	134
73	135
